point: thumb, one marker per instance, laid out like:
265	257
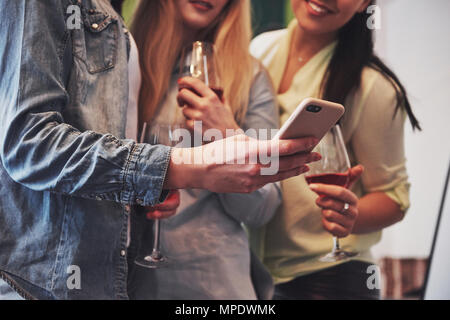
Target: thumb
355	173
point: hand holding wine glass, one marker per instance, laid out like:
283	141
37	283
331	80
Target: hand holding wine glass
330	178
165	134
200	91
332	199
199	61
204	106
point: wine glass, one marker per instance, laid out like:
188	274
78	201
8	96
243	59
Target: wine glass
199	61
333	168
165	134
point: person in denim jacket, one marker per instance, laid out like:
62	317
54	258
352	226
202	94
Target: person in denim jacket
68	178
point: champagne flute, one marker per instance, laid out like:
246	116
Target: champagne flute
333	169
199	61
164	134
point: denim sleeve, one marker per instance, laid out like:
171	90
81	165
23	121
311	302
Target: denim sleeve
37	148
257	208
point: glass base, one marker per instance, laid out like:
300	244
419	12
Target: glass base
338	255
152	261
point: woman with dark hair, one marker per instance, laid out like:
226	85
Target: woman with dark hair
327	52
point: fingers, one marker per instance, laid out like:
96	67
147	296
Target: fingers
166	209
338	218
263	180
334	219
337	206
293	146
336	192
192	114
199	86
160	214
297	160
172	202
335	229
167	205
289	149
190	124
187	97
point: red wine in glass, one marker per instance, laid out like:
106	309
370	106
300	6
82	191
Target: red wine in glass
338	179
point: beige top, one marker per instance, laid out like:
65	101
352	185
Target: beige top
294	239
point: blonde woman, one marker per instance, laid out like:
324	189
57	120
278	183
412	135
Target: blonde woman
206	244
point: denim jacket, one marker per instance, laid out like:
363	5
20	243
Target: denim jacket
67	175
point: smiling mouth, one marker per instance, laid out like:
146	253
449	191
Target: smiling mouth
202	5
318	9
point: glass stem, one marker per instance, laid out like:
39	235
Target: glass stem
336	246
156	253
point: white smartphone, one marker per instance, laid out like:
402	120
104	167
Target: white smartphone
312	118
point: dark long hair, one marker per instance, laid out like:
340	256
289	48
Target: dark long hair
117	5
354	51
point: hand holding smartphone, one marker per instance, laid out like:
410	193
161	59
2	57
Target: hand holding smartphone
312	118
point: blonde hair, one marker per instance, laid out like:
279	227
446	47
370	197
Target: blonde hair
157	30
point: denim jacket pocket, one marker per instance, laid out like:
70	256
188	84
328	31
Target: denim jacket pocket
99	48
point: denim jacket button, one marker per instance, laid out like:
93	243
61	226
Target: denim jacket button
123	253
94	26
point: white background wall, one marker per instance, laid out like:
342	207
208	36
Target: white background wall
414	40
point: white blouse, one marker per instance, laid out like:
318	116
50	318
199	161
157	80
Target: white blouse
134	86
